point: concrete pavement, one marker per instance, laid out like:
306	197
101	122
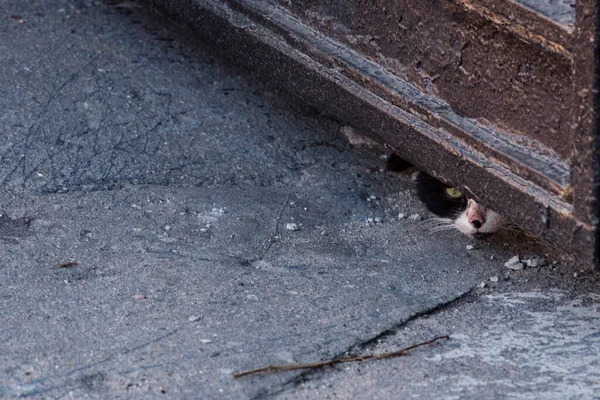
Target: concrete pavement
219	226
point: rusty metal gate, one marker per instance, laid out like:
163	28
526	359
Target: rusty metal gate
495	97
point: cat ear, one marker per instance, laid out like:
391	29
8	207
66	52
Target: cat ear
396	163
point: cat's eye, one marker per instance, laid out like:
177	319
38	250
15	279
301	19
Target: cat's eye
453	193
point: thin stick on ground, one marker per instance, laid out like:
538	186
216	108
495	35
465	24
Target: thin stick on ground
318	364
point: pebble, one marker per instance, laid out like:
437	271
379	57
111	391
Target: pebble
494	278
514	263
470	247
401	216
535	262
291	227
516	267
482	285
415	217
377	220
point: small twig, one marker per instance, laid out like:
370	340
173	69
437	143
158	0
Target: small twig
318	364
68	264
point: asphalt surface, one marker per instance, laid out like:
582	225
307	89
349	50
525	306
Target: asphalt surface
167	221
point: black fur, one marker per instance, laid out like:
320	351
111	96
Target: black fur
431	191
433	194
396	163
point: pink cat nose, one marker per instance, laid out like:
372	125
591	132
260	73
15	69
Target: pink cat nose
477	223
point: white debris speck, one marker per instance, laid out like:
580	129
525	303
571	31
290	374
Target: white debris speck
377	220
514	263
205	341
513	260
535	262
414	176
383	156
516	267
203	229
370	220
415	217
492	257
167	228
470	247
371	198
494	278
323	233
401	216
252	297
193	318
482	285
575	274
291	227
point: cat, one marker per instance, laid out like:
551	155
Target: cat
453	208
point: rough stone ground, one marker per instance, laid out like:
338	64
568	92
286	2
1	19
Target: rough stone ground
171	178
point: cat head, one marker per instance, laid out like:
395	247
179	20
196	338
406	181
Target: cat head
455	209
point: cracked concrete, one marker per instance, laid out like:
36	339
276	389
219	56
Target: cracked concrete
169	179
526	345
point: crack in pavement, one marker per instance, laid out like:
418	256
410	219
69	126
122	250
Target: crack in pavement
48	384
275	234
468	296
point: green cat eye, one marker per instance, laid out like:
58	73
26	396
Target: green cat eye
453	193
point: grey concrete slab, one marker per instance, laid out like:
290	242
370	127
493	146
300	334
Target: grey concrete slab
538	344
170	179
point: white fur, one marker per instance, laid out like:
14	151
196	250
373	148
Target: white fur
493	223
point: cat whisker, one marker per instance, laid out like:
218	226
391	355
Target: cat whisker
442	228
439	224
437	221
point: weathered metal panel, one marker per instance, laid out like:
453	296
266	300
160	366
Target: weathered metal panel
490	96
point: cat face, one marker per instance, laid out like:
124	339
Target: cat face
455	210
